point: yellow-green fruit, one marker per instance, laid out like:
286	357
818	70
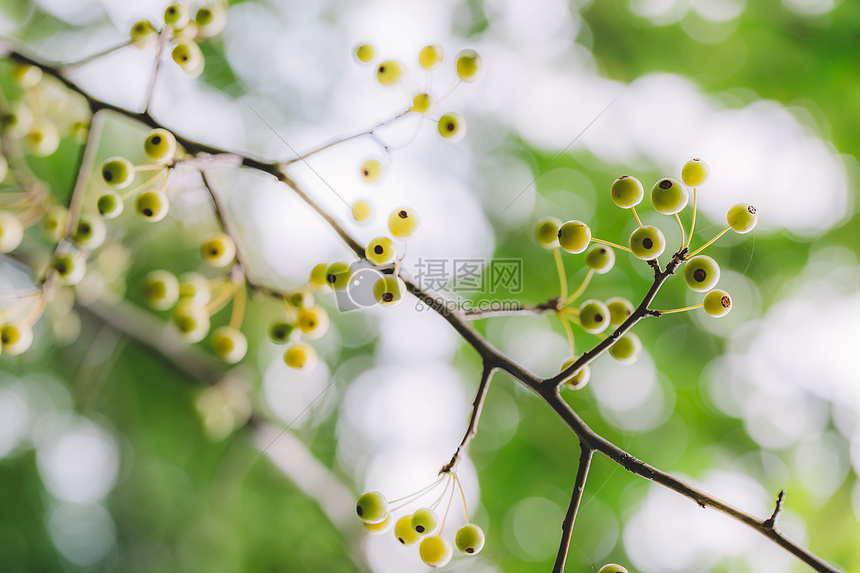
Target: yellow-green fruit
194	286
313	321
361	211
229	344
43	138
612	568
90	231
15	338
620	310
593	316
54	223
372	507
389	73
380	251
11	232
189	57
176	16
152	205
211	20
627	191
300	357
389	290
574	236
364	53
470	539
118	172
626	349
301	299
695	172
382	527
647	242
742	218
422	103
70	267
371	170
280	331
469	65
317	276
26	76
430	56
425	521
159	146
337	275
218	250
404	533
600	259
141	32
579	380
403	223
160	289
669	196
436	551
546	232
718	303
192	320
452	126
17	119
701	273
110	204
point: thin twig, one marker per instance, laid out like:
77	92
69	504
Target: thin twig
575	500
472	430
550	305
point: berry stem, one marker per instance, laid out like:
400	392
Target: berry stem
71	66
674	310
240	295
416	494
708	244
439	499
693	224
681	226
613	245
450	499
462	497
569	331
135	190
635	214
578	292
221	298
562	278
148	167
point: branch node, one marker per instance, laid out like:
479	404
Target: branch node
770	523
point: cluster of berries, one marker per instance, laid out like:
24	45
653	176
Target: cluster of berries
423	526
669	196
185	32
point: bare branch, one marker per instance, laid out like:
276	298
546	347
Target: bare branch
551	305
780	500
472	430
575	499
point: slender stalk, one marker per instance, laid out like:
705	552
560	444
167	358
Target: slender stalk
562	277
709	243
71	66
693	224
674	310
472	429
613	245
681	226
635	214
578	292
575	500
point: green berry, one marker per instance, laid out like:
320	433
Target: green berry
337	275
403	223
422	103
18	119
192	320
452	126
593	316
436	551
669	196
579	380
194	286
313	321
372	507
141	32
389	73
600	259
742	218
701	273
627	191
371	170
574	236
301	299
718	303
229	344
189	57
626	349
404	533
695	172
382	527
11	232
300	357
612	568
364	53
317	276
218	250
15	338
647	242
176	16
110	204
280	331
90	231
118	172
159	146
70	267
389	290
152	205
469	65
211	20
620	310
26	76
42	139
425	521
161	289
470	539
380	251
54	223
430	57
546	232
361	211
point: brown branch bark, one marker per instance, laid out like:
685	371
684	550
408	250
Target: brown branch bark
575	500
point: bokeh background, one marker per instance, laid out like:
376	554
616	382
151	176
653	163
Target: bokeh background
118	456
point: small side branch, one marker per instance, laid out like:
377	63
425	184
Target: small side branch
551	305
472	430
575	500
771	521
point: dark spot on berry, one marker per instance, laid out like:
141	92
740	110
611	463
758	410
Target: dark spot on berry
107	175
84	229
378	249
213	251
420	529
381	69
598	318
36	137
366	172
559	233
751	209
358	510
156	140
470	550
700	275
726	302
203	13
387	297
400	539
665	184
331	278
450	126
62	268
624	177
648	243
184	58
402	214
148	212
602	250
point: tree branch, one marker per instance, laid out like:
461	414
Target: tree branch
551	305
575	499
472	430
